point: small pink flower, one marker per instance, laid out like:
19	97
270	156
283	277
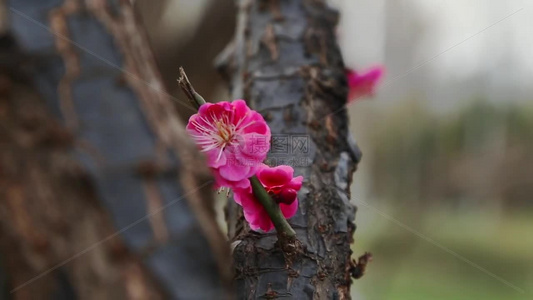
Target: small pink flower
280	185
235	139
361	85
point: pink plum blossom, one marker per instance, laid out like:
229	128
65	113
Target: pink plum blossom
363	84
235	139
280	185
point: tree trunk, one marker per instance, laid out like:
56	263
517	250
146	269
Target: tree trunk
285	62
102	195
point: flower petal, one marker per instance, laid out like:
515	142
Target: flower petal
287	196
275	176
234	171
253	211
363	84
222	182
289	210
296	183
216	158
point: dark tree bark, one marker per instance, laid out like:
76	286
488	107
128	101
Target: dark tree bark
102	195
285	62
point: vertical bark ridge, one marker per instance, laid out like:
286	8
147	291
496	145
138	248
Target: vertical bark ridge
287	65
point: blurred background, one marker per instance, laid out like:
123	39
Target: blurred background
444	190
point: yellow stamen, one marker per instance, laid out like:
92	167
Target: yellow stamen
224	131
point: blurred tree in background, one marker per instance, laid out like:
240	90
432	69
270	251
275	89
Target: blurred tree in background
478	155
103	195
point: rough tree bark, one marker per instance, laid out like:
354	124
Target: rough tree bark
102	196
285	62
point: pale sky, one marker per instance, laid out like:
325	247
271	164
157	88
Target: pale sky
457	42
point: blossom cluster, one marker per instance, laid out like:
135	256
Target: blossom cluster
236	141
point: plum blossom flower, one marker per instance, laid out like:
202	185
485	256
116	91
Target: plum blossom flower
235	139
363	84
280	185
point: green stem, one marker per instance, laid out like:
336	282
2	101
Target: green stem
198	99
272	208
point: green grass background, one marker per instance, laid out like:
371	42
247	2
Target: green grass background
406	266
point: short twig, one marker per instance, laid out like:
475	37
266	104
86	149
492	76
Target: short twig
186	86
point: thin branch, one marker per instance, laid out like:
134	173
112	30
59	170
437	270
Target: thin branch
186	86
